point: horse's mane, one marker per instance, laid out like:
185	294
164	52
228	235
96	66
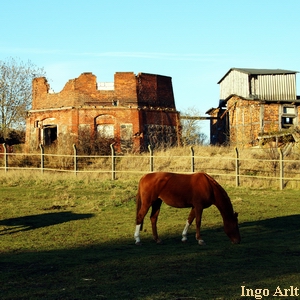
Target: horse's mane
219	191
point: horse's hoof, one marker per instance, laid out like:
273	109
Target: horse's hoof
201	243
138	243
184	239
159	242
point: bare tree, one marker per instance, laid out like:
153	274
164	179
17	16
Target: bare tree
191	129
15	93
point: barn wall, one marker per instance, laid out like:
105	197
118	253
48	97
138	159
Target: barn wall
244	121
262	86
250	119
271	87
257	104
234	83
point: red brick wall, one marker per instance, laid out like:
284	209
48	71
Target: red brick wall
160	117
69	121
80	104
155	90
125	88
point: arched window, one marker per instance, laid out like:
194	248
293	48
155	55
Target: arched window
105	126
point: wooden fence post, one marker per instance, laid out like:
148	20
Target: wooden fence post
192	160
281	171
237	167
42	158
75	159
5	157
113	162
151	158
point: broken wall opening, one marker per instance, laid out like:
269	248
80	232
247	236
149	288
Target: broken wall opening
160	135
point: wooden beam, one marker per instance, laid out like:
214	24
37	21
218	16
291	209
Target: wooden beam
197	118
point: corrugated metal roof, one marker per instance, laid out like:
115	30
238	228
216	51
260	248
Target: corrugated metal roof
259	72
264	71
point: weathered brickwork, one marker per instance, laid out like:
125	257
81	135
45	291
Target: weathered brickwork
129	111
256	106
243	121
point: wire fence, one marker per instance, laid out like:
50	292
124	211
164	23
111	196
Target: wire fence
275	170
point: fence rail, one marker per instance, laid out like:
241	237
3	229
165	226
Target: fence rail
232	170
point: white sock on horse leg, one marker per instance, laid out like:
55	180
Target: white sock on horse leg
137	234
184	232
201	242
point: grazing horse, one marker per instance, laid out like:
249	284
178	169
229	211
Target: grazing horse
197	190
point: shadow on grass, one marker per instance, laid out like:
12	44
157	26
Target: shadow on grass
14	225
267	257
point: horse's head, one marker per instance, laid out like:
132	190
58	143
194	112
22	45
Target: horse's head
231	228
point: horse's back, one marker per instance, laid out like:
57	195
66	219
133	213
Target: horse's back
160	179
179	190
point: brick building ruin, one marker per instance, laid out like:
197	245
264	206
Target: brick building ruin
133	111
255	105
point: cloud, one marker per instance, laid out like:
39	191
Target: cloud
113	54
153	55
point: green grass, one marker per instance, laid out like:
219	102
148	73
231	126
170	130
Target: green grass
72	238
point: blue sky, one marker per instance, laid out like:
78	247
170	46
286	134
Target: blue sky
195	42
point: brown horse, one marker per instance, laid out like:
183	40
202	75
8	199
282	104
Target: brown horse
197	191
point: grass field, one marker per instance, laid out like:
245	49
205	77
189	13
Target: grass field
72	238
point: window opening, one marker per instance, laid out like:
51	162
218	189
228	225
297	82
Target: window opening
106	130
126	133
288	117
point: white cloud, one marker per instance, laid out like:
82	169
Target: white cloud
153	55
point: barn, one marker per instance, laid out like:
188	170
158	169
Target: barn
255	105
133	112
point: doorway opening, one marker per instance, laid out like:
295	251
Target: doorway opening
50	134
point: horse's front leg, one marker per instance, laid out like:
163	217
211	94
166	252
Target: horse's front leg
198	214
189	221
153	217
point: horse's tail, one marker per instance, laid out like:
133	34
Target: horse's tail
138	205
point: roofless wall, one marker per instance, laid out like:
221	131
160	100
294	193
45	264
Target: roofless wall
132	111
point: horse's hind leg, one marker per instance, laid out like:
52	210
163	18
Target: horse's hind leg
139	223
137	234
153	217
187	225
